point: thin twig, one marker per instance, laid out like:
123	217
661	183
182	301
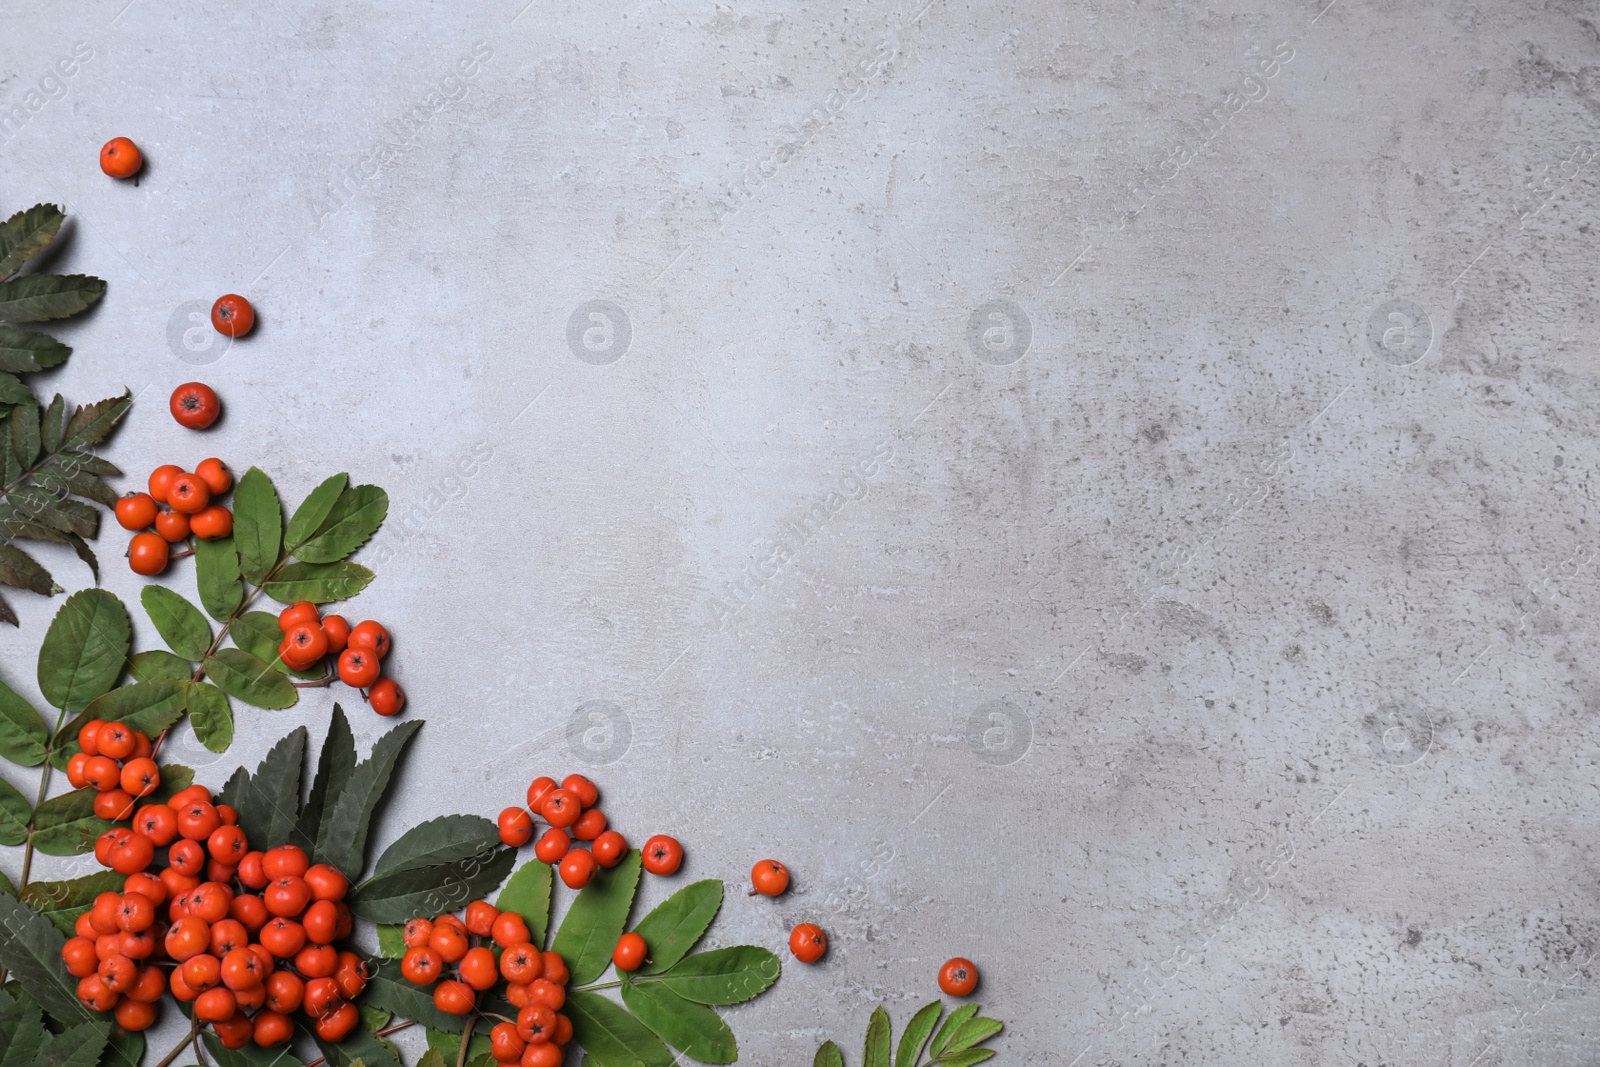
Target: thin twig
194	1031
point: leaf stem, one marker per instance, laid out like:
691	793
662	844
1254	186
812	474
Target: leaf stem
194	1031
44	788
320	683
466	1040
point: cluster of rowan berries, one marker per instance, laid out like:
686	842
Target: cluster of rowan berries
570	811
178	505
245	960
308	638
116	761
440	952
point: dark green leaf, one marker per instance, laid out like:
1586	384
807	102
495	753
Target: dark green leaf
411	891
239	674
915	1038
84	484
964	1059
15	811
92	423
79	1046
86	554
596	919
258	633
528	894
971	1033
22	1028
876	1053
612	1036
354	518
149	707
359	1047
387	988
235	789
26	234
958	1018
84	649
335	764
723	975
21	571
828	1056
434	1057
309	516
320	583
216	573
272	810
149	666
25	434
51	424
342	837
443	840
125	1049
12	391
257	524
180	624
175	777
41	297
250	1055
30	948
672	929
689	1027
63	902
23	734
66	825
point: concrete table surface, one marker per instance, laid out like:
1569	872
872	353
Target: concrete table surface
1105	489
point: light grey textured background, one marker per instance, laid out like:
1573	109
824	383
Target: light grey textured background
1209	634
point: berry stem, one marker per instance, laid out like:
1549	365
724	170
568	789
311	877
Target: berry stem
466	1040
194	1031
320	683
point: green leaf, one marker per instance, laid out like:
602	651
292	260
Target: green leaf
309	516
391	940
596	919
21	571
257	524
25	351
447	1046
672	929
964	1059
258	633
210	716
84	649
149	707
23	734
30	948
79	1046
239	674
26	234
443	840
342	837
387	988
125	1049
359	1047
216	573
434	1057
876	1053
174	778
15	811
251	1055
272	810
180	624
51	424
612	1036
40	297
403	894
91	424
828	1056
66	825
915	1038
22	1029
12	391
159	664
957	1020
25	433
320	583
971	1033
723	975
528	894
354	518
335	764
689	1027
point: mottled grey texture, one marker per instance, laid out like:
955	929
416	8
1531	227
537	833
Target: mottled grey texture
1202	637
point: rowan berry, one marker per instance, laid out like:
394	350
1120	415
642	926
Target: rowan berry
232	315
272	1027
448	942
120	158
386	697
358	667
555	968
808	942
202	971
320	920
136	511
609	848
416	932
135	1015
317	961
303	613
212	522
327	882
521	963
454	998
173	526
516	825
560	808
113	804
286	861
540	789
216	475
590	825
80	957
505	1044
189	495
197	820
338	1022
547	992
161	481
421	965
553	845
322	996
548	1054
958	977
136	912
769	878
536	1023
140	777
510	929
351	975
282	936
371	636
630	952
587	793
662	855
284	991
479	969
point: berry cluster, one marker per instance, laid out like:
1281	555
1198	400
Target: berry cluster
245	960
570	811
116	761
308	638
178	505
441	952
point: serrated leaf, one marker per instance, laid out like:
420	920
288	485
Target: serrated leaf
257	524
52	423
175	777
447	1047
353	519
411	891
23	734
528	894
335	764
876	1052
62	902
235	789
7	613
689	1027
391	940
181	625
149	707
596	919
675	924
21	571
258	633
388	988
958	1018
30	948
66	825
828	1056
92	423
433	1057
723	975
25	434
82	483
239	674
12	391
15	811
311	513
915	1038
26	234
157	664
84	649
320	583
41	297
358	1047
342	837
272	810
612	1036
216	573
22	1028
964	1059
77	1046
375	1018
251	1055
971	1033
443	840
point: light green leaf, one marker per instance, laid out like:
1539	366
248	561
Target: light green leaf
40	297
320	583
915	1038
689	1027
672	929
84	649
876	1053
612	1036
180	623
257	524
309	516
241	675
354	518
957	1020
23	734
596	919
964	1059
391	940
528	894
724	975
159	664
828	1056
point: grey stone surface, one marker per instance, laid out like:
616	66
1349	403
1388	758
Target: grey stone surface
1188	412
